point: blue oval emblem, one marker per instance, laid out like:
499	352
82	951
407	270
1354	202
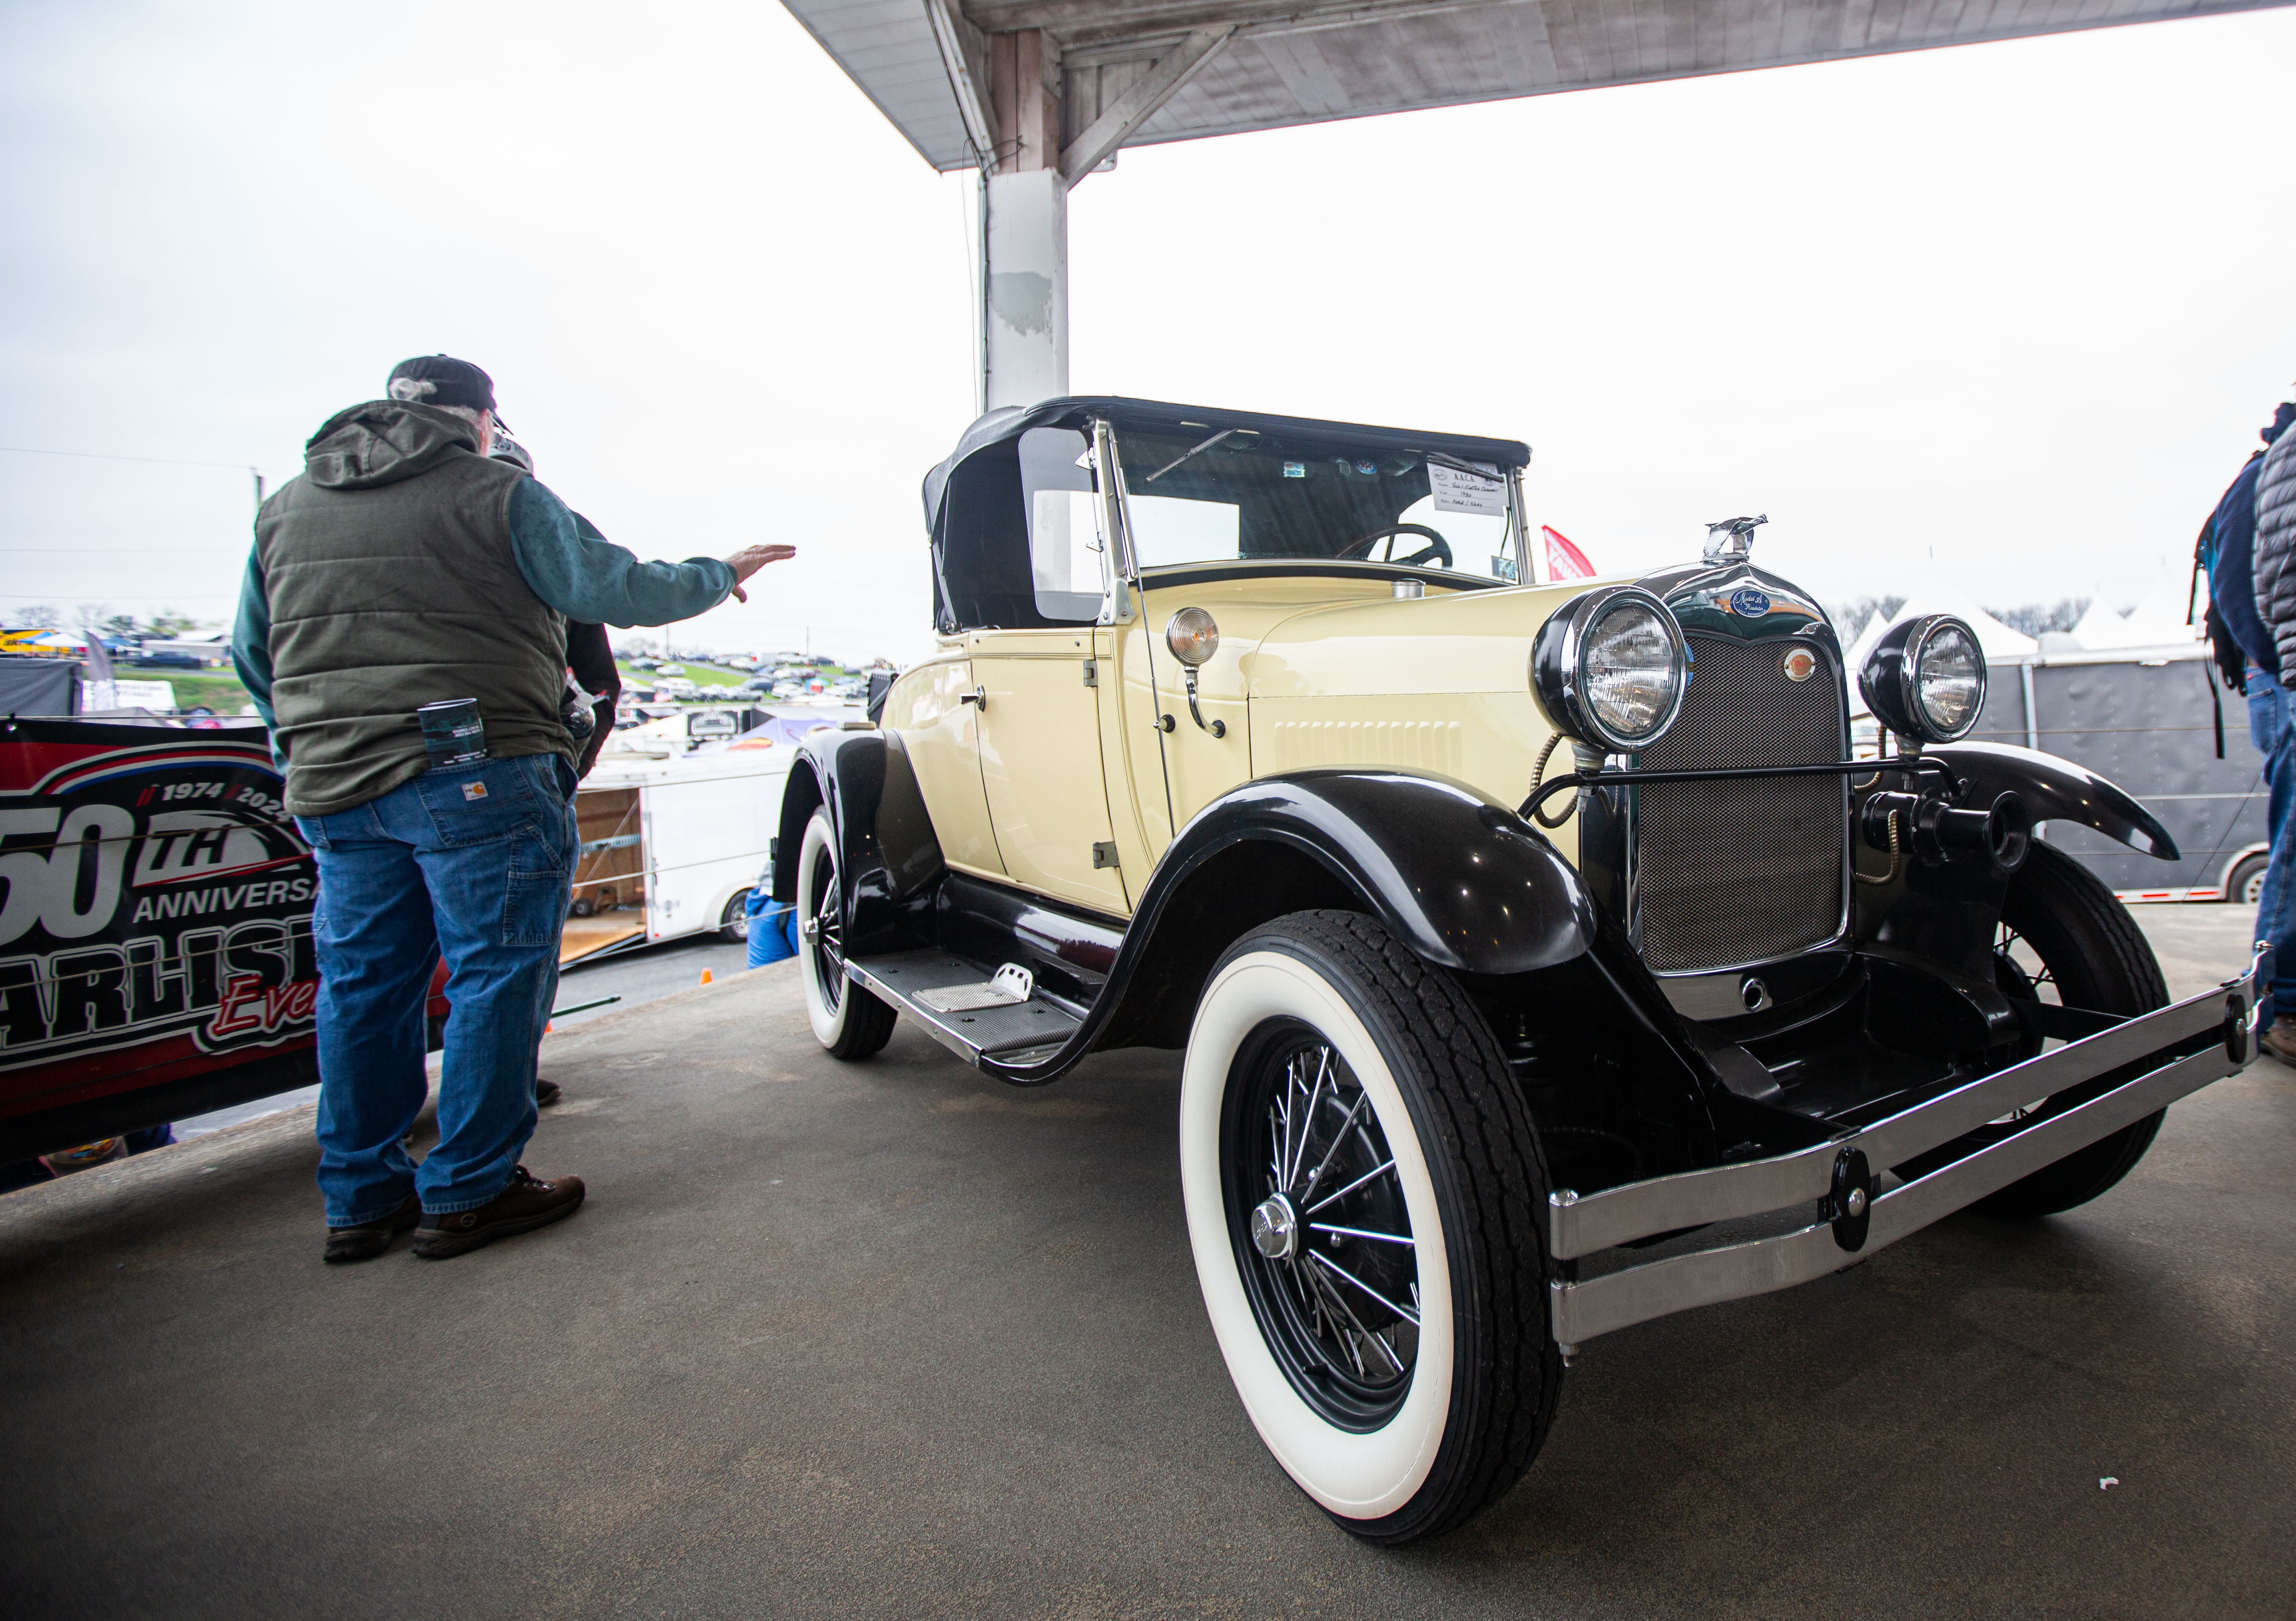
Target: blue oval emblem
1747	603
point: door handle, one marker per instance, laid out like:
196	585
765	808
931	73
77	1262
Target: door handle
979	695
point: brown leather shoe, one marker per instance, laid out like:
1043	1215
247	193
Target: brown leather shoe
545	1092
527	1204
369	1239
2279	1041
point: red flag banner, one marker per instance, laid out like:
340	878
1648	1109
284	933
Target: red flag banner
1564	560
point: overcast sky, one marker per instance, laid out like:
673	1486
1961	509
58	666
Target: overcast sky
2021	306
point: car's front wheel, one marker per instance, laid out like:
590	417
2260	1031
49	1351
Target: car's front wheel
1364	1200
847	1020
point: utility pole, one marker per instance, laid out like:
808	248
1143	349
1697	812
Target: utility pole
258	477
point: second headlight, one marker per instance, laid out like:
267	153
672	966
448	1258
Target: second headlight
1610	668
1925	678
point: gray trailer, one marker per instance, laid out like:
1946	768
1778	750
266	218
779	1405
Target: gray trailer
2144	717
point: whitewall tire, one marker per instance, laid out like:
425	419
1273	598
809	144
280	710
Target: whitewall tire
1365	1198
846	1019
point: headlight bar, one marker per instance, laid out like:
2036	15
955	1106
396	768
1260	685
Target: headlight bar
1830	768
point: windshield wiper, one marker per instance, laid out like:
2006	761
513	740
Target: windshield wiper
1185	455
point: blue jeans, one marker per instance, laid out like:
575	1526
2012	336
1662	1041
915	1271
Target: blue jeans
474	863
2272	728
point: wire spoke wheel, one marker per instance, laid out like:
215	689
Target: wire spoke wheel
825	934
1321	1229
1364	1194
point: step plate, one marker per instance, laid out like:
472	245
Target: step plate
898	979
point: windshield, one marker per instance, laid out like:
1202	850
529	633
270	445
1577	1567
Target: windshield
1207	495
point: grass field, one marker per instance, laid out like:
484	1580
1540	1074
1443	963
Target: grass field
701	675
222	693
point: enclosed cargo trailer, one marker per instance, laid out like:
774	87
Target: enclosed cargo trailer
2155	720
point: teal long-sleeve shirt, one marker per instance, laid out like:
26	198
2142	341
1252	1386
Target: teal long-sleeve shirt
566	562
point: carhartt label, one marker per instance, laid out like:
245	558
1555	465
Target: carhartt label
474	790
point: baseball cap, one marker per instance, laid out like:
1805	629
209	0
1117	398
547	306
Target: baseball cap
441	380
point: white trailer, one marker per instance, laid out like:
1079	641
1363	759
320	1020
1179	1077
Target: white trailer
673	842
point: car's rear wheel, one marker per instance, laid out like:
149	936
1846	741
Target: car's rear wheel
2065	938
1365	1198
847	1020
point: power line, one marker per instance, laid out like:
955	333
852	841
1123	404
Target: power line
101	456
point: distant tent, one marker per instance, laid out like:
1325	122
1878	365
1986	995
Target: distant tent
2157	621
1939	594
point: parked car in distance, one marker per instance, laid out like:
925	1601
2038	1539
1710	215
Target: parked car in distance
167	660
1496	947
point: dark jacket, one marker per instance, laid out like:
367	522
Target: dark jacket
2231	569
392	582
2275	550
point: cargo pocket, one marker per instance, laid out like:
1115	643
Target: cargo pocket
541	881
534	907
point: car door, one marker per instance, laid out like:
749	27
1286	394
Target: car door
1040	762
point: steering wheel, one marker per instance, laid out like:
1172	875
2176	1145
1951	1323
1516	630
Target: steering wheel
1437	547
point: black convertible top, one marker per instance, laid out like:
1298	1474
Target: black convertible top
1011	422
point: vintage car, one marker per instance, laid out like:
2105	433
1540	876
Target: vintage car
1239	738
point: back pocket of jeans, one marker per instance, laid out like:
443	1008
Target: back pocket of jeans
478	806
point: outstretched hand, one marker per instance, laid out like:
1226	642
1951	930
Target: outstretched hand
750	559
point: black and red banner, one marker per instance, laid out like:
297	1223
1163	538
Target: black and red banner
155	910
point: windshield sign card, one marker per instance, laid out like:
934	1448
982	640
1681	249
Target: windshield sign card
1457	490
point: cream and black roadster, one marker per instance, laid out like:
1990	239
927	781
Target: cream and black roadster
1543	962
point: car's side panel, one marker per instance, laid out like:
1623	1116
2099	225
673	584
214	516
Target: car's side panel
1173	774
1490	740
942	733
1445	643
1040	762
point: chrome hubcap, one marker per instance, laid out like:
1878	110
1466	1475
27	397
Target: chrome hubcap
1275	1229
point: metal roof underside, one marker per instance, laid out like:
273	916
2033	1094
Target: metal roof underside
1291	62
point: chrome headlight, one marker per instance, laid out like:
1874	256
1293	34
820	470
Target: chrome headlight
1611	668
1925	678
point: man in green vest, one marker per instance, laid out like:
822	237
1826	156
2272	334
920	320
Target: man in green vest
405	568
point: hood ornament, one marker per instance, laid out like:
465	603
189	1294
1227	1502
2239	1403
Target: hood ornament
1732	541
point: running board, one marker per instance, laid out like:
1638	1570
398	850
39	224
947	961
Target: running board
1017	1031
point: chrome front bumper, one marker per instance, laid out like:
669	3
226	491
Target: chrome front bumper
1847	1228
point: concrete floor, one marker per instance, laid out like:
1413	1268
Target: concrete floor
890	1340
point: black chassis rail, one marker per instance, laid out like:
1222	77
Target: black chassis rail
2159	1057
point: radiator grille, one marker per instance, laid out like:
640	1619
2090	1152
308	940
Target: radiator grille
1739	872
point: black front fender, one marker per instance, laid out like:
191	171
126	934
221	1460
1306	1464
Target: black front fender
2055	790
1465	883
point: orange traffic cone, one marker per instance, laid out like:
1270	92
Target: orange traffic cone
547	1027
705	976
